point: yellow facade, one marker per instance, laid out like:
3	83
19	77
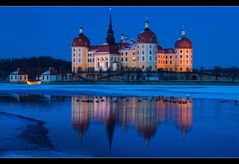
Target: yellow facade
104	61
82	59
128	58
178	61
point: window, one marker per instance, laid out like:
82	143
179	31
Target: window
170	56
142	52
79	50
187	69
25	77
74	54
176	56
181	69
181	56
74	60
186	56
137	52
126	53
166	57
11	77
166	69
93	60
47	77
181	51
166	62
150	58
143	45
180	61
43	77
142	66
142	58
20	77
133	53
98	64
150	52
79	60
15	77
187	51
170	69
150	46
170	61
126	59
122	59
106	64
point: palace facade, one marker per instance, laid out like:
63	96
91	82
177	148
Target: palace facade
145	53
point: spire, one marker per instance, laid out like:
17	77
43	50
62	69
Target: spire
81	30
110	25
146	25
183	32
110	33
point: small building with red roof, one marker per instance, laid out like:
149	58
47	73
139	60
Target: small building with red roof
18	76
49	76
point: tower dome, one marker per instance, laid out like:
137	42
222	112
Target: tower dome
81	40
183	42
147	36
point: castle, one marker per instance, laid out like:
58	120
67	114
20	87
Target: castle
145	53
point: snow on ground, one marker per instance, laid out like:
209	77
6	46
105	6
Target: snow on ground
194	91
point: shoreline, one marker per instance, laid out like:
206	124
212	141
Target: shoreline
172	82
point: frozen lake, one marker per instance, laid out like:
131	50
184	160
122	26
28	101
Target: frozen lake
120	120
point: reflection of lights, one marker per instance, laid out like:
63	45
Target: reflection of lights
143	116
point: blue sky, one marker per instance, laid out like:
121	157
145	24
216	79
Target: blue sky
36	31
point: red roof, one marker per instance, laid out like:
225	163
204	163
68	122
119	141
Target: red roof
147	36
183	43
81	41
169	50
19	72
111	49
123	45
93	47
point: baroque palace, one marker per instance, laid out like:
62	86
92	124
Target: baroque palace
144	54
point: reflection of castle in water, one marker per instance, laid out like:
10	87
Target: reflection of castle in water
142	113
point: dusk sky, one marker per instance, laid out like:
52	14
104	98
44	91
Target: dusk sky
36	31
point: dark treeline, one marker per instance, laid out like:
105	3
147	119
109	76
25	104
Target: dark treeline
218	71
34	66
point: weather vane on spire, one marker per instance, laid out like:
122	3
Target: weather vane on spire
183	32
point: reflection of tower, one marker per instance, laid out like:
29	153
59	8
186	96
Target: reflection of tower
80	114
111	119
184	116
146	120
110	129
176	109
